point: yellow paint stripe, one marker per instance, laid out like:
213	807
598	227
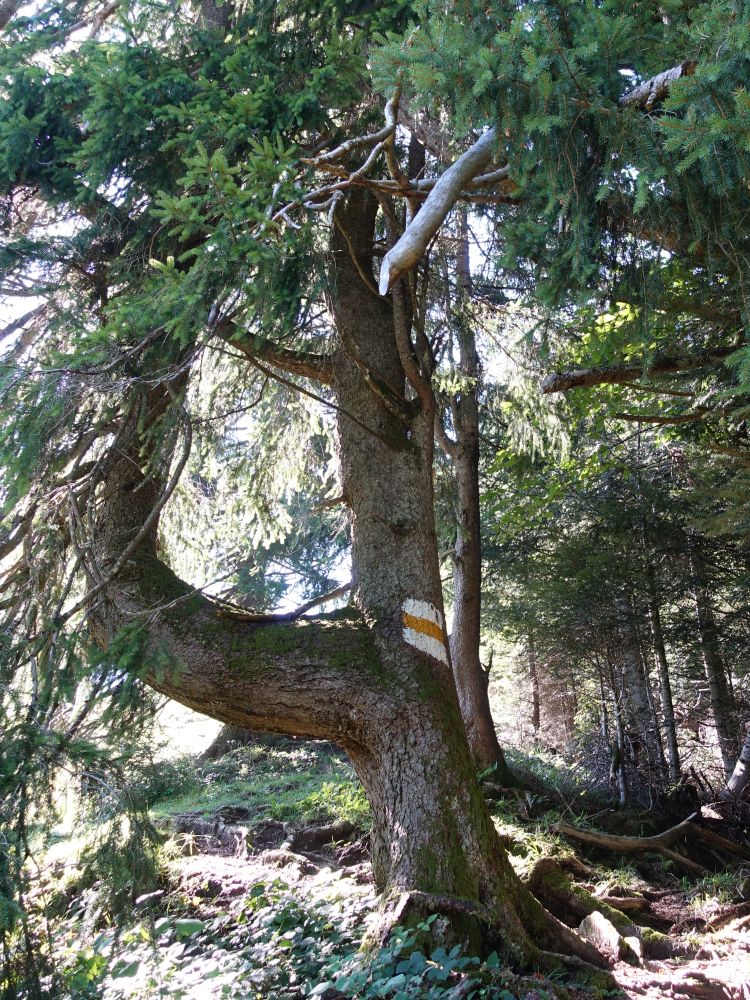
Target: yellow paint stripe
423	625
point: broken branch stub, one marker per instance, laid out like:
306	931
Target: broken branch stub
407	252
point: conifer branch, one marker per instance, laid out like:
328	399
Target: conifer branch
663	418
621	374
304	363
646	95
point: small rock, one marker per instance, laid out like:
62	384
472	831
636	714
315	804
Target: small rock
604	936
636	947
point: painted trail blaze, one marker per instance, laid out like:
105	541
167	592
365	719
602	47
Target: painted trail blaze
423	628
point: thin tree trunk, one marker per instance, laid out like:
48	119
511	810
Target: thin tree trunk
739	779
641	709
665	685
722	706
472	683
617	773
536	716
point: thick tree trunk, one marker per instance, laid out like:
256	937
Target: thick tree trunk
665	685
375	679
8	10
722	706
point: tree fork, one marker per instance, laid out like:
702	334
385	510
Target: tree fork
363	679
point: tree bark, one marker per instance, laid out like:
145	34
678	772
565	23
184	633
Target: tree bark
406	254
665	685
722	707
643	720
472	683
8	10
375	679
739	779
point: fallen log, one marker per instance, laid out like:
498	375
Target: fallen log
659	843
711	843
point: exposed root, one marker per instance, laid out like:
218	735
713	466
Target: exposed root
572	904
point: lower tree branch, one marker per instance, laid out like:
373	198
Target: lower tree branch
621	374
304	363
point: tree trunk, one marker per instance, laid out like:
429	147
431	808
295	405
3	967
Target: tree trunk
665	685
376	679
641	711
8	10
536	716
740	776
722	707
472	683
617	773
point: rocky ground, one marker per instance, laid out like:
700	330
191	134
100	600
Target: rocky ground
223	859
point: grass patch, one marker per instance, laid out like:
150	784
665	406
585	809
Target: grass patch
299	783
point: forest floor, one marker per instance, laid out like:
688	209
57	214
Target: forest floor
265	889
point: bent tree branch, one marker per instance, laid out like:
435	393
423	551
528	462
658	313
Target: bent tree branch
418	234
415	240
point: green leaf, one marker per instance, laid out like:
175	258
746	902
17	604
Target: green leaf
186	927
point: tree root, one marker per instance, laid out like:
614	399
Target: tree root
551	946
572	904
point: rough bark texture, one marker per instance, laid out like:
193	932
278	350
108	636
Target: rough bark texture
722	703
351	676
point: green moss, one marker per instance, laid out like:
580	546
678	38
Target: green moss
279	639
345	614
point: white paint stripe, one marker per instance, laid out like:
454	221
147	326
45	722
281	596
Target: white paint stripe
422	609
427	644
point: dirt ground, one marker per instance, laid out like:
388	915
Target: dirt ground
713	945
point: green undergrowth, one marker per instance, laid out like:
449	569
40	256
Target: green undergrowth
717	889
279	942
283	936
291	782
